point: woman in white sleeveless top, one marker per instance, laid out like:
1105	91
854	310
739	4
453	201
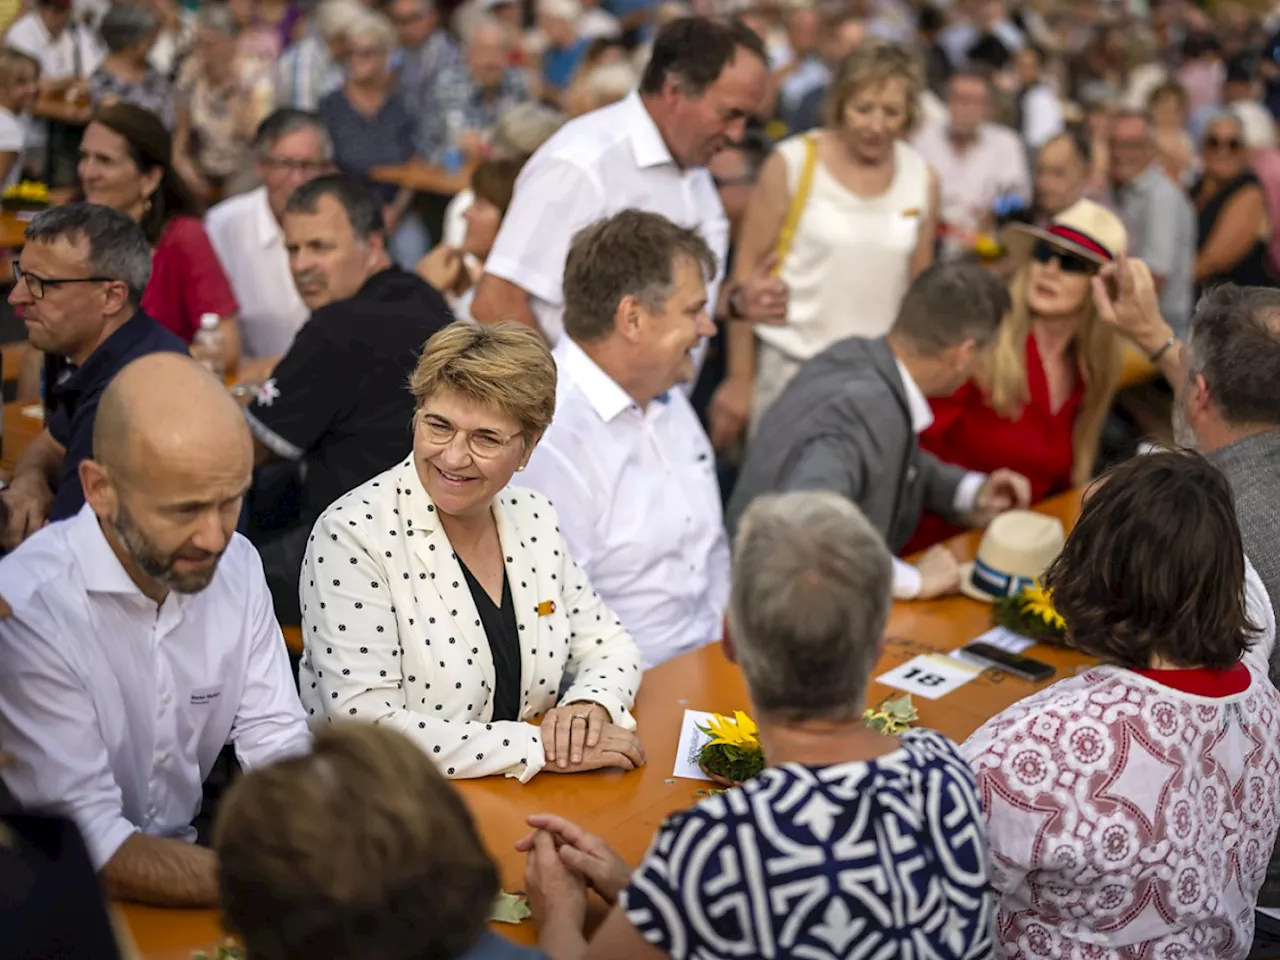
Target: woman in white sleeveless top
850	234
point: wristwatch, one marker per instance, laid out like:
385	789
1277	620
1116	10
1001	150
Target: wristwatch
737	309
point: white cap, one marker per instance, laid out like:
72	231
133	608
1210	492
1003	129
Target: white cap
209	321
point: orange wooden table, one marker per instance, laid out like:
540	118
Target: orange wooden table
13	234
627	808
424	177
22	424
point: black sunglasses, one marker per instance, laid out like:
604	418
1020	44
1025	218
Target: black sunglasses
1044	251
1214	143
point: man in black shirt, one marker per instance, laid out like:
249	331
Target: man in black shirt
79	282
338	404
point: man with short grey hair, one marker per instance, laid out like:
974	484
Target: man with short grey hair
1227	408
79	283
291	147
1157	213
848	422
626	461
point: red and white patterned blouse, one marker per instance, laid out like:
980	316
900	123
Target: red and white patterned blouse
1131	815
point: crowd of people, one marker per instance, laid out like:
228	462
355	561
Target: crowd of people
739	308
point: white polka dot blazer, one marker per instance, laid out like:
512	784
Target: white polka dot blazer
392	635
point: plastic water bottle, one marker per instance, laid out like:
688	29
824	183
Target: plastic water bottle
453	158
207	346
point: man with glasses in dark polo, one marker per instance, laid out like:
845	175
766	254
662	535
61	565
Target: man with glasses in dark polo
78	285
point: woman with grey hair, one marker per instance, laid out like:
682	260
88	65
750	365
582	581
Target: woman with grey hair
847	835
128	32
219	106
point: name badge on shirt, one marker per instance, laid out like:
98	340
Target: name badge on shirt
205	696
546	608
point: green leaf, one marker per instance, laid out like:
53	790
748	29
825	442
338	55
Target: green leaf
510	908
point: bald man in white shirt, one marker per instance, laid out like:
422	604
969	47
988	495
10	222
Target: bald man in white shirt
142	637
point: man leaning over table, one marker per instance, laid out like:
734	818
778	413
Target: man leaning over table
142	637
625	461
849	422
649	151
78	282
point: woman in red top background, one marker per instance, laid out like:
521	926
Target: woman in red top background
1038	405
125	164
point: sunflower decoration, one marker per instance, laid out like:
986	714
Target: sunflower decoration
27	195
733	755
1031	613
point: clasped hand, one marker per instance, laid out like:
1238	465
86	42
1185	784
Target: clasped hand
579	736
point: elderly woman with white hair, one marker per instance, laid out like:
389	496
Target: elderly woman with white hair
565	47
371	127
1233	224
311	69
128	32
847	835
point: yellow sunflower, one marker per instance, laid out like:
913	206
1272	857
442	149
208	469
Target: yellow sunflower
1038	602
736	731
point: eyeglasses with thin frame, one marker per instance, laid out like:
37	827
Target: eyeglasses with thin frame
295	166
36	284
483	444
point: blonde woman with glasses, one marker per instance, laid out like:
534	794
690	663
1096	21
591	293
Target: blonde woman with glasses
847	216
441	602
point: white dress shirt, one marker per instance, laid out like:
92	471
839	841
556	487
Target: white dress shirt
972	179
73	53
393	636
593	167
250	245
114	710
906	578
639	505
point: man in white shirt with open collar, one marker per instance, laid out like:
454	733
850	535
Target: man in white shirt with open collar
704	79
142	637
626	462
290	148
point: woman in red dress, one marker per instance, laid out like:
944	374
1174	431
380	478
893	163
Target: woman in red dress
125	164
1038	405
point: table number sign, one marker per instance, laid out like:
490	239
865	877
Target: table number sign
931	676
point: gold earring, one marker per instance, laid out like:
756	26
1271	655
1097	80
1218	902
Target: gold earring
146	205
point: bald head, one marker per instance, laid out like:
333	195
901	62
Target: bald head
163	408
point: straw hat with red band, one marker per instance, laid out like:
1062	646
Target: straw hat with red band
1085	228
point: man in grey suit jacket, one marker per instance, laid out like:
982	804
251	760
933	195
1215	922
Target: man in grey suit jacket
849	419
1227	407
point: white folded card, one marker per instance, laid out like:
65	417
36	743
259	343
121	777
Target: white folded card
930	676
692	740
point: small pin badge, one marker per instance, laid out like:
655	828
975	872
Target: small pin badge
546	608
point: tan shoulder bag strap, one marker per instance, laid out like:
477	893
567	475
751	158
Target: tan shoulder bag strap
788	234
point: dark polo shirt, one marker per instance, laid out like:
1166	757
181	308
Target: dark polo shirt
339	399
72	395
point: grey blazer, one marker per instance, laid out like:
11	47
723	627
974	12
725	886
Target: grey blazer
843	424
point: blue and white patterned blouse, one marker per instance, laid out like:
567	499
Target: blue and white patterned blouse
883	859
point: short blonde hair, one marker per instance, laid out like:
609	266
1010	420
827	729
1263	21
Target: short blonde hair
872	64
504	366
